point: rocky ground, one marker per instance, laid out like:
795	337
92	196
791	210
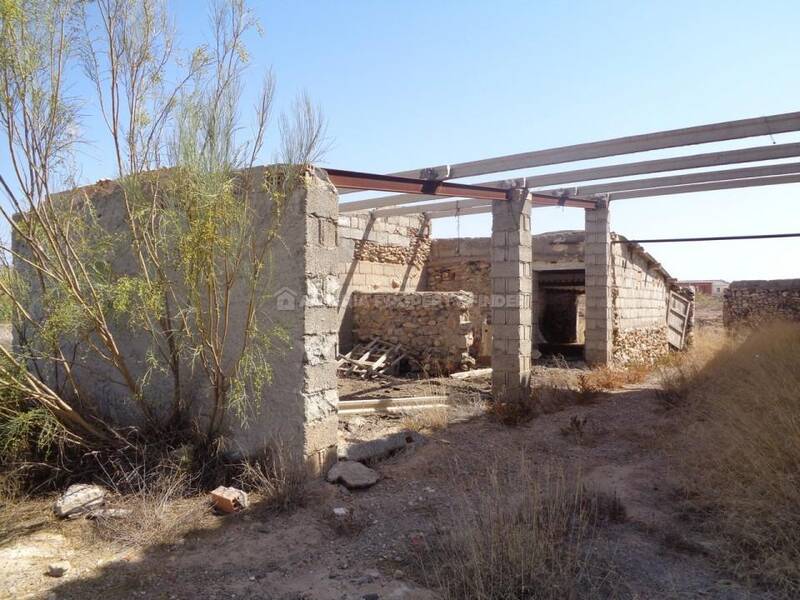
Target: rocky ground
622	449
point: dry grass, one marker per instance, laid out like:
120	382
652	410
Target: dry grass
679	373
154	506
427	420
522	535
609	378
279	483
743	429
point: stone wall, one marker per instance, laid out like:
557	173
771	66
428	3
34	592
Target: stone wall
463	264
378	255
640	289
433	327
753	303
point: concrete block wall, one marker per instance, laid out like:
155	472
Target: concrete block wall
641	290
386	254
297	408
640	295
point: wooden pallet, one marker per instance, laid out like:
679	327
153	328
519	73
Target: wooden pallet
372	359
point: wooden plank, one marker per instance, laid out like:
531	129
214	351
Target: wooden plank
471	374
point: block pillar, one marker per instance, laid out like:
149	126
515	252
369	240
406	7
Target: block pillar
512	311
598	264
299	405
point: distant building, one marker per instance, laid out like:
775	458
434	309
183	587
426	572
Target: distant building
710	287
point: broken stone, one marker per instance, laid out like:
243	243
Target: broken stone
229	499
340	512
108	513
58	569
80	498
353	475
381	448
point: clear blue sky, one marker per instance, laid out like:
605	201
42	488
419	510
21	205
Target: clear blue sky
412	84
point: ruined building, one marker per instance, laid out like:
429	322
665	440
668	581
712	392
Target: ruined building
452	303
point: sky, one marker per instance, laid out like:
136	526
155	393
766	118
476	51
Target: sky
413	84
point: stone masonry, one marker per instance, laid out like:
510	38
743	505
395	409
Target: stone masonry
753	303
599	316
385	254
433	327
512	316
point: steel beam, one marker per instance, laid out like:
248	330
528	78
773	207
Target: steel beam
688	136
392	183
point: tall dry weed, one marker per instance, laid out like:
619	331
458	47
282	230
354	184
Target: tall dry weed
740	453
522	534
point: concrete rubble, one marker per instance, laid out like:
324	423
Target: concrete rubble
381	448
353	475
79	499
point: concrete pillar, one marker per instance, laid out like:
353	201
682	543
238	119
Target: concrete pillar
299	406
597	258
512	314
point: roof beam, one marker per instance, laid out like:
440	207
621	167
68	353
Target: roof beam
457	207
477	210
687	136
673	180
680	163
432	206
706	187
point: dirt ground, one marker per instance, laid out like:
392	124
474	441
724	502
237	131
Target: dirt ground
304	556
708	311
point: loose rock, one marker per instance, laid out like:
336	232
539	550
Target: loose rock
80	498
382	447
353	475
58	569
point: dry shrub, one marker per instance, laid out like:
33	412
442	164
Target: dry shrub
609	378
679	372
513	413
429	419
279	482
743	429
155	504
521	535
